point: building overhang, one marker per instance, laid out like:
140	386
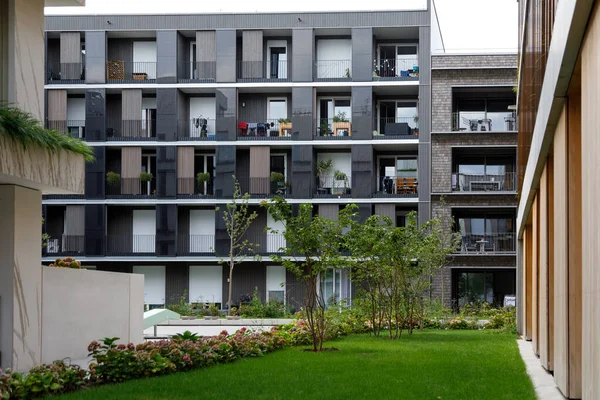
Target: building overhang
64	3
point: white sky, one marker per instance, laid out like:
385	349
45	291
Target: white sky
467	25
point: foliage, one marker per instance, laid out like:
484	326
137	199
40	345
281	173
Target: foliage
277	177
187	335
66	262
460	322
21	127
41	381
284	121
202	177
182	306
324	166
340	117
45	236
112	178
312	247
146	177
257	309
238	218
340	176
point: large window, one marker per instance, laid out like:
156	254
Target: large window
486	232
489	286
483	173
484	109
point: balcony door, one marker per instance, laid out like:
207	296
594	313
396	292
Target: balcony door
277	59
396	58
202	231
193	68
399	117
144	231
335	286
154	284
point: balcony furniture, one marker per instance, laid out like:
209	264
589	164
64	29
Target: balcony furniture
252	126
284	127
510	123
481	243
140	76
342	129
484	186
395	129
115	70
261	129
243	128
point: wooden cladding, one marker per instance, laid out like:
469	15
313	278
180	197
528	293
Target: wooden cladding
260	167
57	105
185	169
386	210
131	167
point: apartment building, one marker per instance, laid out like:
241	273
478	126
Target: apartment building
558	218
473	174
175	105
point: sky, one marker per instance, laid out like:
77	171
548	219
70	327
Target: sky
467	25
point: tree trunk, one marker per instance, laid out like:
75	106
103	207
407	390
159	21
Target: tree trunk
231	264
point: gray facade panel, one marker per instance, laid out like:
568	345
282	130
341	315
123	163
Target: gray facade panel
166	229
303	56
166	56
362	171
167	101
166	170
226	109
95	56
424	177
225	168
177	282
95	114
226	55
362	112
303	177
362	54
302	112
250	278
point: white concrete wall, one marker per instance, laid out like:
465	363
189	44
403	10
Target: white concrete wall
79	306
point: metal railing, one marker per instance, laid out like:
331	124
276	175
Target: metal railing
203	244
136	129
396	69
398	126
481	121
275	244
191	188
130	245
130	188
74	128
131	72
332	70
333	128
397	186
270	129
260	71
66	245
489	243
201	71
484	183
58	72
333	186
197	129
263	187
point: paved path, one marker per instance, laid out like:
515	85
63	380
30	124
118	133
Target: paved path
545	387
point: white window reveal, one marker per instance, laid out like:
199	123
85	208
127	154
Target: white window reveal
202	231
144	59
154	283
276	283
144	231
76	116
275	241
202	116
334	58
277	59
206	284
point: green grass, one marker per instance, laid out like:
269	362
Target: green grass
445	365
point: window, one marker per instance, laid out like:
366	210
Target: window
483	173
331	108
490	286
480	109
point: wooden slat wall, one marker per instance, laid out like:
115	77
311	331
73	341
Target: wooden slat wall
131	112
252	54
329	211
590	162
57	105
131	167
70	55
75	220
535	230
185	169
550	205
527	279
260	167
543	271
386	210
205	46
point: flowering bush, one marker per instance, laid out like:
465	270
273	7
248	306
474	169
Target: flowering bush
503	318
460	323
66	262
41	381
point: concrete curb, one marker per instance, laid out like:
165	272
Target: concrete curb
543	382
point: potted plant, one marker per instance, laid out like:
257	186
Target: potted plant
340	176
146	177
112	178
348	73
416	130
277	182
324	127
213	311
285	125
341	122
233	314
323	167
202	178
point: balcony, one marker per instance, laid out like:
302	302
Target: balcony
195	245
131	188
270	129
334	186
333	129
260	188
397	128
190	188
118	71
73	128
197	72
333	70
130	245
401	69
488	244
66	245
65	73
484	183
135	130
481	121
196	129
396	187
263	71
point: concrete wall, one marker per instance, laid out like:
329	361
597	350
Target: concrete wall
79	306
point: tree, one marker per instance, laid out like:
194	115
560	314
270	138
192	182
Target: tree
313	245
238	219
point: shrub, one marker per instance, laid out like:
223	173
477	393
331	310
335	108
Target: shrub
146	177
257	309
182	307
460	322
202	177
66	262
277	177
112	178
187	335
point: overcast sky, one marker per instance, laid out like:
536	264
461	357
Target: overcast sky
467	25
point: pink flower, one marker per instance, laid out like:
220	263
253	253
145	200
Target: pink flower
187	358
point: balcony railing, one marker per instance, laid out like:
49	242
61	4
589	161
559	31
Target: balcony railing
484	183
261	71
481	121
399	127
197	129
195	245
397	186
58	72
138	129
130	245
327	70
191	188
270	129
489	243
333	128
130	72
201	71
334	186
73	128
264	187
66	245
396	69
130	188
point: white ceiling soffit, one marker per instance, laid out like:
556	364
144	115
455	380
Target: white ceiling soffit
64	3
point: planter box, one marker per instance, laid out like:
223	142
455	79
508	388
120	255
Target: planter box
187	318
140	76
233	317
284	127
342	126
210	317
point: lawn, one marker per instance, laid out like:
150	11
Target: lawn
473	365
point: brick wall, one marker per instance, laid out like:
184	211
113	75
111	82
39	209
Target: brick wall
474	61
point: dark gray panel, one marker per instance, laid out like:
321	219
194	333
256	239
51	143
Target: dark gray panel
114	110
95	113
120	49
226	110
252	107
53	52
303	177
94	175
424	188
242	165
183	54
95	218
166	171
362	112
302	54
225	168
362	171
177	282
362	54
247	279
226	55
364	211
167	113
256	232
166	229
166	56
302	112
95	56
221	237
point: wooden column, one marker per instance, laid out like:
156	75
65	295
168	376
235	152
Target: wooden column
57	110
185	170
260	169
535	231
527	291
543	269
131	168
